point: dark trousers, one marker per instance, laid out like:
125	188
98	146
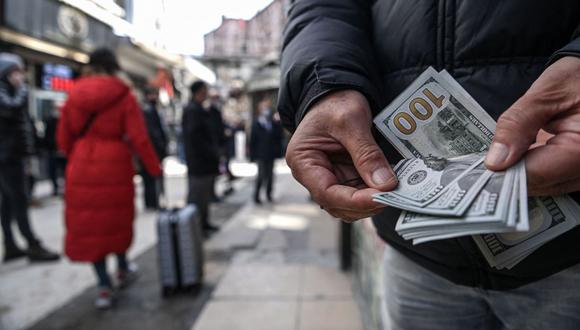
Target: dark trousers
56	166
14	203
103	278
265	176
200	194
229	174
153	187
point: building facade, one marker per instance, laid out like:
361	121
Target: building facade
245	54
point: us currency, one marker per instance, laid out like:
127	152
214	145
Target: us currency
424	228
432	117
461	184
549	217
436	180
435	116
488	207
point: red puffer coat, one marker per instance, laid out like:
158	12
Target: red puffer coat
99	208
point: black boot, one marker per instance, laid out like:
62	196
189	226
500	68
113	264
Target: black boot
38	253
13	253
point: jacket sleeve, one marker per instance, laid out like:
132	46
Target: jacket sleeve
571	49
200	133
139	138
10	105
64	136
327	46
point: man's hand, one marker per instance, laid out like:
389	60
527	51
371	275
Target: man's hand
333	154
544	125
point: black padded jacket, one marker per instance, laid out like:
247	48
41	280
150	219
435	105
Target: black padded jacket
16	130
495	49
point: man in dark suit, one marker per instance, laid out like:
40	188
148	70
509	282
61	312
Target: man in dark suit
153	186
265	147
201	152
217	129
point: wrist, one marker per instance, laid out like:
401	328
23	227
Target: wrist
338	109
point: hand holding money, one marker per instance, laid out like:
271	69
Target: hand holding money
445	189
548	114
332	149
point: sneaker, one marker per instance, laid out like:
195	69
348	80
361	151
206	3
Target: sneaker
127	277
39	253
13	254
105	298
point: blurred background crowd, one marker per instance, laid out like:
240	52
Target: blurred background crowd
204	79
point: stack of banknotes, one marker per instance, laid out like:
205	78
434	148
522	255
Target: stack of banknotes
445	190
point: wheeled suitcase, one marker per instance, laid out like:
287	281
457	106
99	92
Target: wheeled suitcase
180	249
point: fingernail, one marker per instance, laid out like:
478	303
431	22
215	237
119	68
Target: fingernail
497	154
381	176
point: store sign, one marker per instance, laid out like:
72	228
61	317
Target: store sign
72	23
57	77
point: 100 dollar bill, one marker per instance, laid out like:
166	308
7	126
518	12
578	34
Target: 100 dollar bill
432	117
435	116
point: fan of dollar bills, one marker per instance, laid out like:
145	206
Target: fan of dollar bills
444	189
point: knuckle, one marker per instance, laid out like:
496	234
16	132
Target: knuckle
511	118
367	154
517	122
342	119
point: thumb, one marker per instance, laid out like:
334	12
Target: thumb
369	160
515	132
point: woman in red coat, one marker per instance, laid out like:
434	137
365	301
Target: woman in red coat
100	128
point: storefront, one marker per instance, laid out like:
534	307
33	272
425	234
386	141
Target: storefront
54	46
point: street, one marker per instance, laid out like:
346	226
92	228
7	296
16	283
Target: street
273	266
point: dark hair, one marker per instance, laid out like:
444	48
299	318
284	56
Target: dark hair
104	60
197	86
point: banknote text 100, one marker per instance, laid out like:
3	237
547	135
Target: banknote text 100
420	109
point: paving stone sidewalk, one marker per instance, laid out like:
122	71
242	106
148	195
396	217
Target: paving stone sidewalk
284	270
273	266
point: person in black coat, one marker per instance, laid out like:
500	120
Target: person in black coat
15	144
343	61
265	148
217	129
153	186
201	152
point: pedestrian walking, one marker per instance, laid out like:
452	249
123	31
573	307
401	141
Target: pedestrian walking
201	148
100	128
218	134
15	145
229	151
345	60
153	186
265	148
